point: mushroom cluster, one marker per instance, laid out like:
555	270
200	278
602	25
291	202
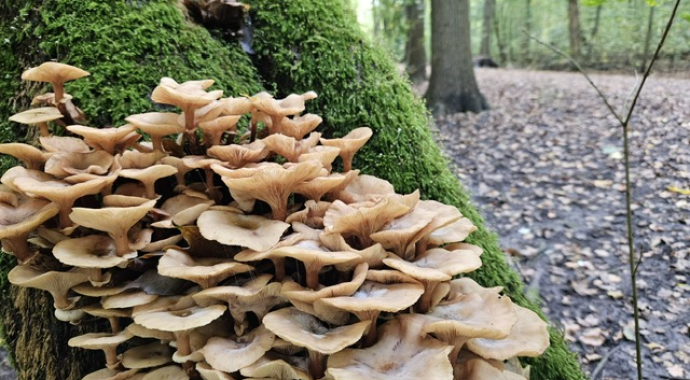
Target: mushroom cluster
225	252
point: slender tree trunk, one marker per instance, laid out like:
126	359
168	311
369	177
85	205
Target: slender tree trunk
648	39
597	21
489	8
500	41
525	56
574	28
452	87
415	53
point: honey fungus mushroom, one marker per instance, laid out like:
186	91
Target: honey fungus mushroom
57	74
18	219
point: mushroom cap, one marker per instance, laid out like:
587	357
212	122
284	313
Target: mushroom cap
31	156
317	187
299	126
63	144
365	188
97	311
237	156
94	251
149	174
107	139
171	372
127	299
37	115
289	147
111	374
294	291
293	104
529	336
436	264
453	232
351	142
401	353
401	233
184	96
313	254
62	165
182	210
28	213
373	296
54	72
143	332
305	330
156	123
55	190
266	368
229	292
209	373
480	369
204	271
252	231
56	283
180	320
147	356
98	341
472	316
111	219
244	350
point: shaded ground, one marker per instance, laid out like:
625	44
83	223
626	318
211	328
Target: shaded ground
545	167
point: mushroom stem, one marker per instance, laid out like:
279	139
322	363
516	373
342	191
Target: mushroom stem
458	342
150	188
59	90
45	132
370	337
65	210
312	277
420	247
96	275
184	346
277	121
424	303
115	324
19	247
280	212
347	162
111	357
279	264
157	142
317	364
252	131
121	243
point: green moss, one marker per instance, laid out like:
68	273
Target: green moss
316	45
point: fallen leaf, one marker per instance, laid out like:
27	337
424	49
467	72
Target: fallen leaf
593	337
615	294
676	371
678	190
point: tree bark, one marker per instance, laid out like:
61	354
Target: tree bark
452	87
526	38
489	9
574	28
415	52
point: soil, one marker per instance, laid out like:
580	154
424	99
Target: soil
545	167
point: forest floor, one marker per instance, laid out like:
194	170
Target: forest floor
545	167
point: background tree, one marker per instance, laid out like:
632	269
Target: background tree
452	87
487	27
574	28
415	50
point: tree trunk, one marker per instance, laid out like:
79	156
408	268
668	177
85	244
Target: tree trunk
415	52
502	54
648	39
526	37
489	8
128	46
574	28
452	87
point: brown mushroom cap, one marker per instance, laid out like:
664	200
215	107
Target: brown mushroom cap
529	336
157	125
115	221
237	156
62	165
209	373
147	356
350	144
401	353
206	272
102	341
271	367
111	140
149	176
480	369
182	210
299	126
63	144
112	374
54	72
289	147
243	350
57	284
252	231
19	220
171	372
32	157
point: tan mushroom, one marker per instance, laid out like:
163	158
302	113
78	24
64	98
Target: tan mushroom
316	188
63	144
214	129
299	126
231	355
350	144
147	356
171	372
239	155
115	221
39	117
18	220
305	330
209	373
273	367
57	74
277	109
63	165
475	368
57	284
401	353
111	140
102	341
289	147
32	157
252	231
112	315
149	176
112	374
206	272
95	252
324	154
157	125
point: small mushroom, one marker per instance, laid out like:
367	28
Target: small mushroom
239	155
207	272
57	284
157	125
102	341
350	144
252	231
110	140
57	74
149	176
32	157
19	220
231	355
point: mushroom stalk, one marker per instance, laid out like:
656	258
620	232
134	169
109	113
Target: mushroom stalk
184	346
121	243
424	304
65	210
45	132
317	364
19	247
59	90
420	248
111	357
279	264
370	337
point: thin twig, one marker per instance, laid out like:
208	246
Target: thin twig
633	261
603	361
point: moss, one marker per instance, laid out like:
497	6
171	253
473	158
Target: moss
316	45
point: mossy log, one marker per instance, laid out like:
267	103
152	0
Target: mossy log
298	46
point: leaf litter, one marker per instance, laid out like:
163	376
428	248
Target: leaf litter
545	167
